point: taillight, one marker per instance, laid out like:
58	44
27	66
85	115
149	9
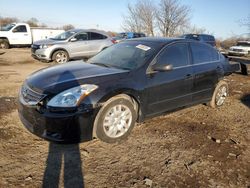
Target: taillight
113	41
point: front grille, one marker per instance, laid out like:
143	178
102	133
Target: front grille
34	47
30	96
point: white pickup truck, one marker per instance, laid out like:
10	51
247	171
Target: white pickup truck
242	49
21	34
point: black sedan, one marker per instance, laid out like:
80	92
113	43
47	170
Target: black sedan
122	85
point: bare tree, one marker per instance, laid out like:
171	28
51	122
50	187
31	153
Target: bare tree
68	27
245	22
33	22
171	17
131	22
193	29
146	13
7	20
140	18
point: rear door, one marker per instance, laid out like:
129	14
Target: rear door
97	42
171	89
206	67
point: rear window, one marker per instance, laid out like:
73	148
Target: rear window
203	53
97	36
246	44
207	37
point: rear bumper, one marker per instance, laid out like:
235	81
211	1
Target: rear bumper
57	127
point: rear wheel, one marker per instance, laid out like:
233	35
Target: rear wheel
219	95
60	56
115	120
4	44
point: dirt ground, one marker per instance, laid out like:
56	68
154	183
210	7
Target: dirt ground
194	147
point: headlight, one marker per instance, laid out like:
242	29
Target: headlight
71	97
44	46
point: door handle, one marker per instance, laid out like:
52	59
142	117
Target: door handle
25	34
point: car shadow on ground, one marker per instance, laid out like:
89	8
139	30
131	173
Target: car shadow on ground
246	100
67	157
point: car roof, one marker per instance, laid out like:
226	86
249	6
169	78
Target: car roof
90	30
163	40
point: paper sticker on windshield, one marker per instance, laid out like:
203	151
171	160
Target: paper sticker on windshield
143	47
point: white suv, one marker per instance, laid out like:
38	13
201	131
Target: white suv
242	48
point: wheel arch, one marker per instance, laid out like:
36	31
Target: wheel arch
57	49
126	93
4	38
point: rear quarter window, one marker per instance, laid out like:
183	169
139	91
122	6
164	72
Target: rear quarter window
203	53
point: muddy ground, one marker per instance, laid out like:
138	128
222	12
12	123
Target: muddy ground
194	147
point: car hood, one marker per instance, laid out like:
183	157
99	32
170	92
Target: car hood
48	41
58	78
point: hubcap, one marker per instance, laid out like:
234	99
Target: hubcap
2	44
221	95
61	57
117	121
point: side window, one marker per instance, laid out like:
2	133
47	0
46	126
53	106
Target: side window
96	36
136	35
82	36
20	29
203	53
176	54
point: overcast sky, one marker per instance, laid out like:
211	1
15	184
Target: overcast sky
220	17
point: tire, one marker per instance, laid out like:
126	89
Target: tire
4	44
120	125
220	93
60	56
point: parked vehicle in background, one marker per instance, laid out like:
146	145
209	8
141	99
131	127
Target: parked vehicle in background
127	35
209	39
128	82
72	44
21	34
241	49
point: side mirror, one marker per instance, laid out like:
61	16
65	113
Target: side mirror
14	30
162	68
73	39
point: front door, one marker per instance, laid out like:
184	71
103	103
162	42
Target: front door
20	35
171	89
80	47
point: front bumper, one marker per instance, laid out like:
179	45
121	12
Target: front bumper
64	127
41	54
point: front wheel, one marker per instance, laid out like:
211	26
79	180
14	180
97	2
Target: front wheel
4	44
115	120
60	56
219	95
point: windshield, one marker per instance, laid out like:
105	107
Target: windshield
64	36
125	55
7	27
121	35
246	44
